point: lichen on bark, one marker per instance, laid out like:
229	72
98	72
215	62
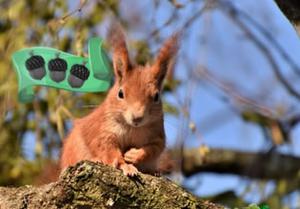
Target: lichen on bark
89	185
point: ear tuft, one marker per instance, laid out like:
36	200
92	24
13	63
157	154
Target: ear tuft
166	56
121	62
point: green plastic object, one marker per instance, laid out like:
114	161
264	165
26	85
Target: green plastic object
44	66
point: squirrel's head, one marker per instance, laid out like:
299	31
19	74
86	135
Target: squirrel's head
137	89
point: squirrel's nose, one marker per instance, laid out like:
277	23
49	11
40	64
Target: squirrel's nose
137	119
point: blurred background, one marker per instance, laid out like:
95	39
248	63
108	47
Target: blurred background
231	102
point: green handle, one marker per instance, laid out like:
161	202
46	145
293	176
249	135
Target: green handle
98	59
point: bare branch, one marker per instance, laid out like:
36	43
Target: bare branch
203	73
268	35
253	165
234	15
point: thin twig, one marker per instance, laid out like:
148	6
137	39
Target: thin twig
269	36
204	73
78	9
263	48
165	24
209	5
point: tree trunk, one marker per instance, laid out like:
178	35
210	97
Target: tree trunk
291	9
90	185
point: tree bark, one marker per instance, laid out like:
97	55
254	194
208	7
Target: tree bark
253	165
291	9
90	185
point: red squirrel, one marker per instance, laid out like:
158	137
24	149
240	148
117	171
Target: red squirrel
126	131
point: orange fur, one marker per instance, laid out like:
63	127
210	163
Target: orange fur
50	173
126	133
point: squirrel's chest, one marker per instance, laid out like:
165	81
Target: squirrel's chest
134	137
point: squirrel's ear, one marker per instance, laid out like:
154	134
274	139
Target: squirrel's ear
121	62
165	58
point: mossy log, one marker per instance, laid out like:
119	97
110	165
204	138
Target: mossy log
90	185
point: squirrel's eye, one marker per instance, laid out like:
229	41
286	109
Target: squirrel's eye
156	97
121	94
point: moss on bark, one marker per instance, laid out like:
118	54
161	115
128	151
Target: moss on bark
90	185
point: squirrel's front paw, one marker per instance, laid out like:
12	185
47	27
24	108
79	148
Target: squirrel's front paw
134	155
129	169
